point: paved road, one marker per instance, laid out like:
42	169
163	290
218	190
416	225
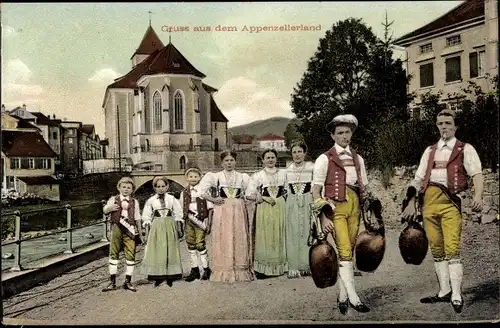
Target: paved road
393	293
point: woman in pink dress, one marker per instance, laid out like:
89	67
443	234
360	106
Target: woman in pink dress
230	251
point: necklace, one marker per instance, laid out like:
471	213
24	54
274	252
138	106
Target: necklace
273	181
298	172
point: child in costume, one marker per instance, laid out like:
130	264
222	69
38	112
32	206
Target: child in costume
163	213
198	217
125	231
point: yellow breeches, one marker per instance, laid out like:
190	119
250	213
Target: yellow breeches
346	225
442	224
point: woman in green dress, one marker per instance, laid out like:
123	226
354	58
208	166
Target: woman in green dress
268	189
163	213
299	176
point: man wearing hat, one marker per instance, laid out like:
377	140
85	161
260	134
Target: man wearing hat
439	180
340	177
197	215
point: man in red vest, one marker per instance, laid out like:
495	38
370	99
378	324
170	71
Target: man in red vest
340	177
439	180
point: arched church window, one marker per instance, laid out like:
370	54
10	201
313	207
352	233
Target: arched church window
182	162
178	111
191	144
148	146
157	110
216	144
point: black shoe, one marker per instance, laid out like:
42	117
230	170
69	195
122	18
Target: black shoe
169	282
361	307
206	274
436	299
343	306
128	285
112	284
157	283
194	274
457	305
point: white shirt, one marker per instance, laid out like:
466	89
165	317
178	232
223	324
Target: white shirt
321	168
124	213
472	163
154	203
226	180
266	177
195	193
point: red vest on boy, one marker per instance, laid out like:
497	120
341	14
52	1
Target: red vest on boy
201	204
335	183
456	174
116	215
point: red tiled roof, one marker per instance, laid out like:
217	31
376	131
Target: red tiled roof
150	42
170	60
208	88
468	10
215	113
272	137
25	144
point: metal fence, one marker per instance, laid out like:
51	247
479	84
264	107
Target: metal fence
18	240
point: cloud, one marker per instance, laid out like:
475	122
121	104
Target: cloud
104	75
17	84
8	32
243	100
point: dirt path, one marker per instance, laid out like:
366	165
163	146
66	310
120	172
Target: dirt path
393	294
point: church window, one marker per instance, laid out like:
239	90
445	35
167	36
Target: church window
157	110
178	111
216	144
191	145
147	123
182	162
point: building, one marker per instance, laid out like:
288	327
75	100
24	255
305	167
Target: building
72	158
272	142
90	143
460	46
243	142
11	122
160	114
28	164
52	133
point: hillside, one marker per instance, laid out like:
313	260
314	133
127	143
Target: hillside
273	125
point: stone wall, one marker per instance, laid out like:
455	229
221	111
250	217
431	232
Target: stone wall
392	196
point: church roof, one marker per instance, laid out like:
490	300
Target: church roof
466	11
215	113
150	42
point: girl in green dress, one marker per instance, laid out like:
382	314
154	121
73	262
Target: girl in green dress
163	213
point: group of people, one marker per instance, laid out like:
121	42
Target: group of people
260	224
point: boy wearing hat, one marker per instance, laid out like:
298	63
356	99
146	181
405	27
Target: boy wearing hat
439	180
125	231
340	177
198	216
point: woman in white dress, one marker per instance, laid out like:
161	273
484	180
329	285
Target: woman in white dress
163	213
268	188
230	251
299	177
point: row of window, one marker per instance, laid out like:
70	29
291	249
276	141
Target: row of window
158	111
450	42
477	63
30	163
147	146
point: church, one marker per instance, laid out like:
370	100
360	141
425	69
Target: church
160	115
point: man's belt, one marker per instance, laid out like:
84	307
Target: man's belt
453	198
197	220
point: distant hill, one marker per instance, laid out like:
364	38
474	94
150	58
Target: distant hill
274	125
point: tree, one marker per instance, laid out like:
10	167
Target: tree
352	71
291	132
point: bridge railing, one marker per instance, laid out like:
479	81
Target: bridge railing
18	240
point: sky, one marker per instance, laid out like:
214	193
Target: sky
58	58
